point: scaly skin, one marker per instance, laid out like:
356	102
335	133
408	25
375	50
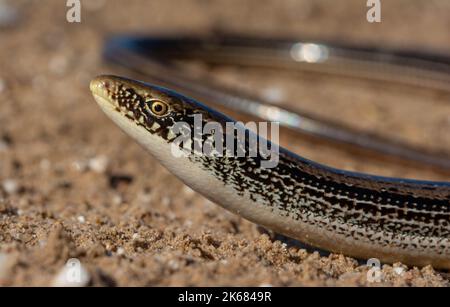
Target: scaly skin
359	215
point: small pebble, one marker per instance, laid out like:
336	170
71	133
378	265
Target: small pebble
173	264
98	164
81	219
117	200
120	251
73	274
399	270
10	186
79	166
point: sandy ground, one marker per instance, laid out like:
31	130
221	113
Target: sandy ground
73	186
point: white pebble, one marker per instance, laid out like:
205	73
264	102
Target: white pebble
79	166
98	164
10	186
173	264
73	274
120	251
135	236
81	219
399	270
117	200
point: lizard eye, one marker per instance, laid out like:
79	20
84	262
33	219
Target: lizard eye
158	107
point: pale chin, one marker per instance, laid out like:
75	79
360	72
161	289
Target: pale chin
102	102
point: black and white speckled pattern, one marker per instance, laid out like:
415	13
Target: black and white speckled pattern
394	213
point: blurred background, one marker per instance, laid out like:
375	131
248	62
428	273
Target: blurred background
72	185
